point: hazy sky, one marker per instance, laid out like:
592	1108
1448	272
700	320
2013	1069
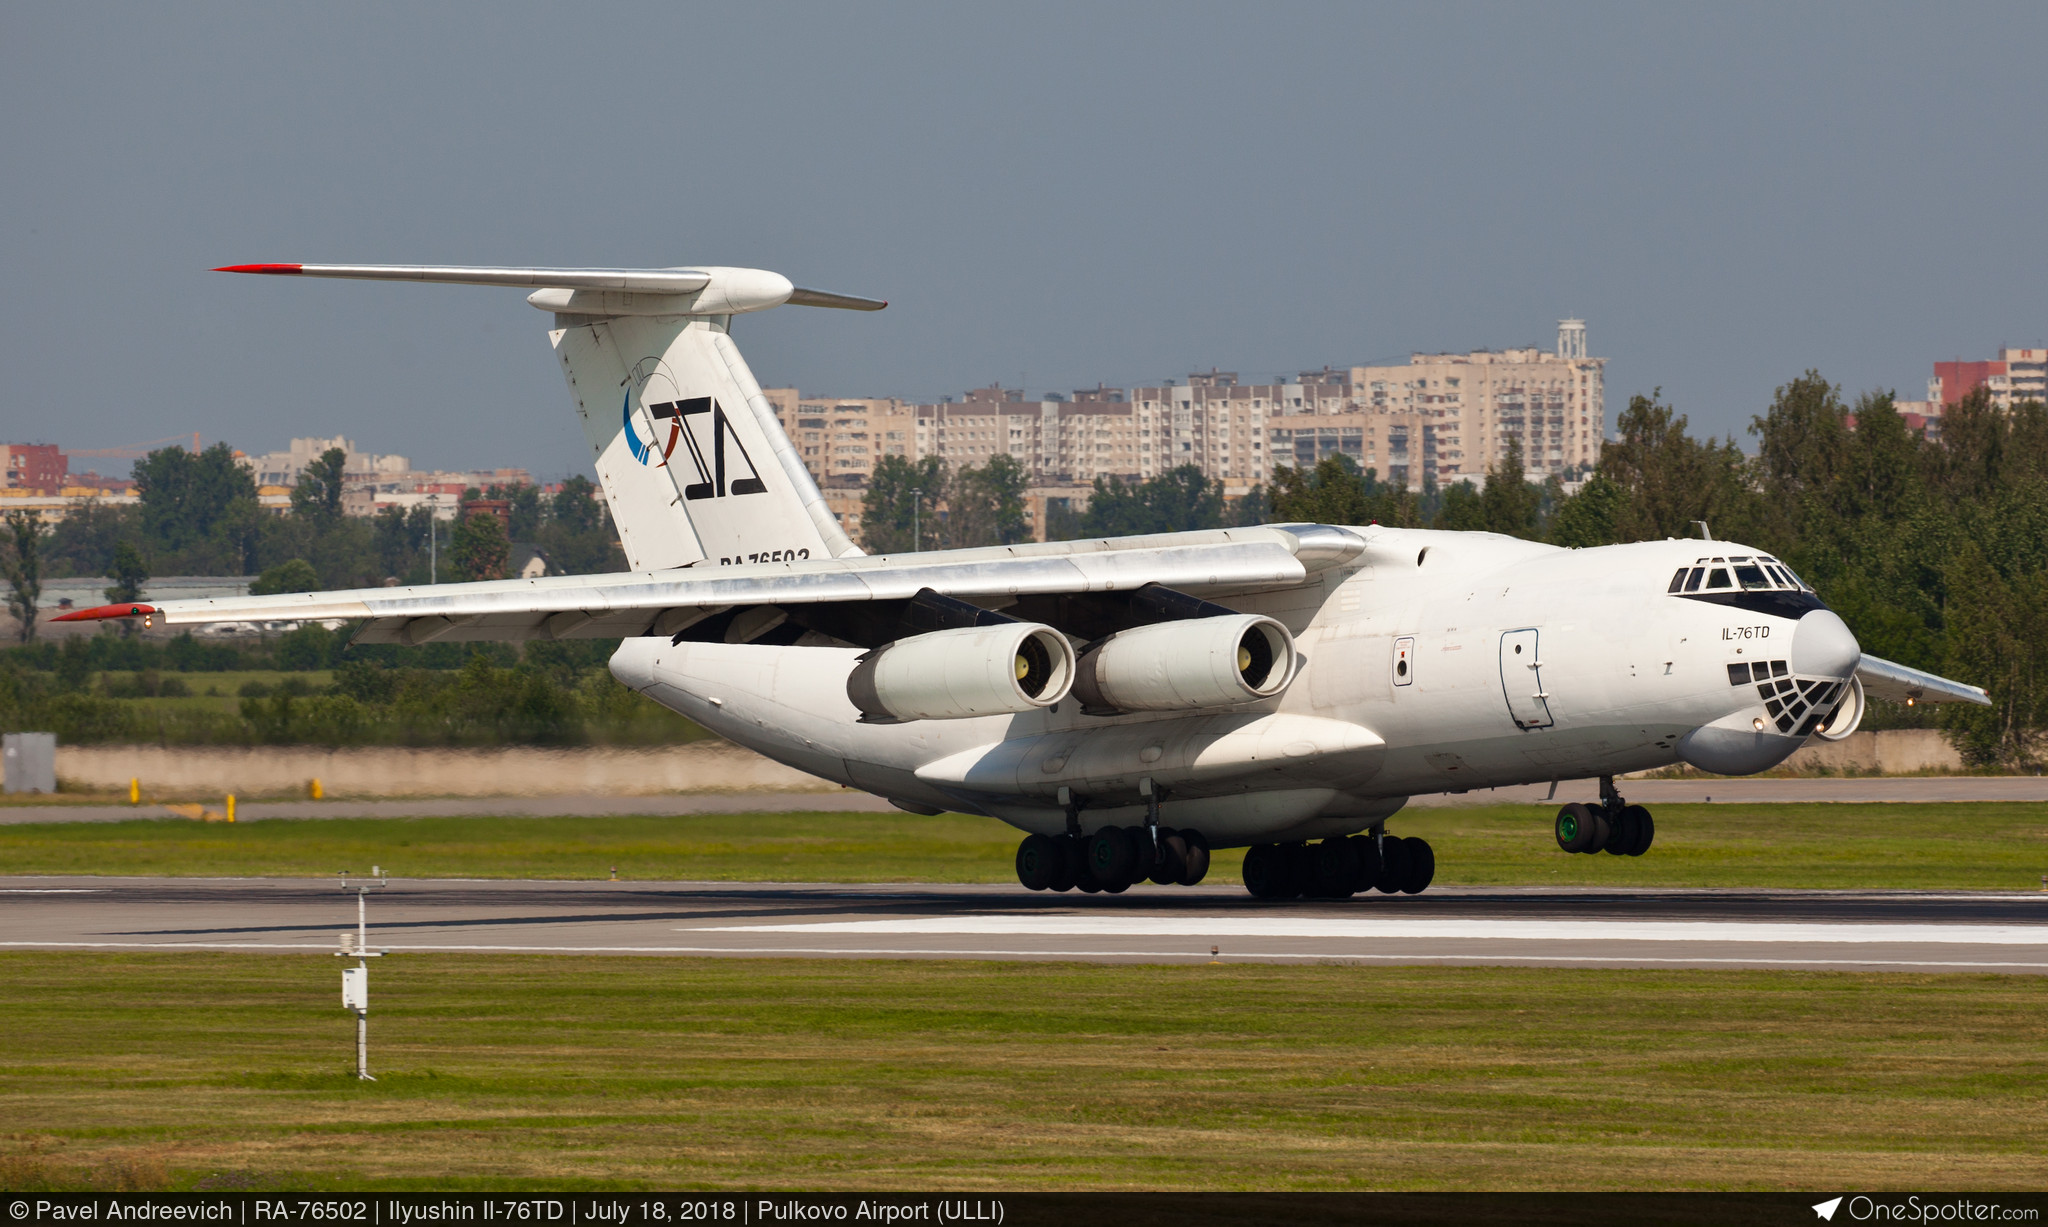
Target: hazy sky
1052	193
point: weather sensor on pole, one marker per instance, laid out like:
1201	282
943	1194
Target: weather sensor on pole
355	981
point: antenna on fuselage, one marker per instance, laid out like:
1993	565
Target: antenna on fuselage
1705	533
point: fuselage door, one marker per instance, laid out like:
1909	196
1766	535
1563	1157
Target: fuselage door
1521	679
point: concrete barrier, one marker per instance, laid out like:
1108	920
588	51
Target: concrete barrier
396	771
1890	752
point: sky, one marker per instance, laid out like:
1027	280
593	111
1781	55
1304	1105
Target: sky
1049	195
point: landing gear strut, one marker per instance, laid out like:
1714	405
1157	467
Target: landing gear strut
1613	826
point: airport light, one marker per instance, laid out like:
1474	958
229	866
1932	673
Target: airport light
355	981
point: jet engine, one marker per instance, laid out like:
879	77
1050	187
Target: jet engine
1847	715
1177	666
967	671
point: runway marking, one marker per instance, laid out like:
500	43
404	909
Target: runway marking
50	890
1211	927
1191	955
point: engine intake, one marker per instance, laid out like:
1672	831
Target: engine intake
1177	666
969	671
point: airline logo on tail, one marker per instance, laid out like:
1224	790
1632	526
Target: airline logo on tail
709	458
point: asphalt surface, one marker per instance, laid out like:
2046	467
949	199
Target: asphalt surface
1911	931
1927	789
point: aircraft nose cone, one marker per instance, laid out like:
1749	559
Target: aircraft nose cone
1823	646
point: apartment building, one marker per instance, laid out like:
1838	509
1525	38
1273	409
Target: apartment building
33	468
2017	375
284	468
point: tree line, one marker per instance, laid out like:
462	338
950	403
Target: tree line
198	514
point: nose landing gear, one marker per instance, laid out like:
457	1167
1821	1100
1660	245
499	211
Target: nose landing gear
1613	826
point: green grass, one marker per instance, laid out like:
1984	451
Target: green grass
1987	846
513	1071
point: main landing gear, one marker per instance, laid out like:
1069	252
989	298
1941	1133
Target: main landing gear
1338	868
1113	859
1613	826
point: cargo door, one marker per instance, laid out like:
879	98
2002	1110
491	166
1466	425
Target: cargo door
1521	680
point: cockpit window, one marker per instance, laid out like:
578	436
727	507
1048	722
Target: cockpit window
1677	580
1692	582
1718	578
1751	576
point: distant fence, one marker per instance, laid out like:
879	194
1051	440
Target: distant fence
392	771
1891	752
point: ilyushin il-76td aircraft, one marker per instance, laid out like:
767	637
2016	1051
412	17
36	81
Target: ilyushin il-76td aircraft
1130	703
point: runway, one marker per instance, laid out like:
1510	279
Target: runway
1937	789
1908	931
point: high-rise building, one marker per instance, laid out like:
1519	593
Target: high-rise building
2015	376
33	468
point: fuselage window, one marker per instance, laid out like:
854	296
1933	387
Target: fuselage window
1692	582
1752	576
1717	578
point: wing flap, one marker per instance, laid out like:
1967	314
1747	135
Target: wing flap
1896	683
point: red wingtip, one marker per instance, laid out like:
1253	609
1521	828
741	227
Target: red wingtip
98	612
261	268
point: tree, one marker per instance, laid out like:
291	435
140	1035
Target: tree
185	497
23	560
83	542
291	575
1673	480
985	506
576	533
399	538
1181	499
128	571
1335	492
479	549
1509	504
1589	517
1460	509
317	497
896	514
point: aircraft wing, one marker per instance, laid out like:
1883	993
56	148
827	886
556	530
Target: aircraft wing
623	604
1895	683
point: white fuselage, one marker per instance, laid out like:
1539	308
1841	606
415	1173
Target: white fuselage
1434	662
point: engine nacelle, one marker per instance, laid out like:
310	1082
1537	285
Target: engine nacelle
1180	666
1847	715
969	671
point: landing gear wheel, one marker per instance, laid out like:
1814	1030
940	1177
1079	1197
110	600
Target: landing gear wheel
1577	827
1065	863
1393	865
1038	859
1368	850
1172	865
1111	856
1334	869
1144	853
1621	831
1300	862
1265	871
1421	866
1646	829
1196	865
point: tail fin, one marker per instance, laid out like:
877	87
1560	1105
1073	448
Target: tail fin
693	461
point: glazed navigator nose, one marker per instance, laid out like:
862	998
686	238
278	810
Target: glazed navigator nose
1823	646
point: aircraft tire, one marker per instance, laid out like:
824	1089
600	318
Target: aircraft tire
1264	871
1301	869
1196	866
1144	853
1576	827
1036	861
1368	850
1421	868
1393	865
1111	855
1334	868
1621	832
1646	830
1066	864
1172	865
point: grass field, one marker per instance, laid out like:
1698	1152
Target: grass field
231	1070
2002	846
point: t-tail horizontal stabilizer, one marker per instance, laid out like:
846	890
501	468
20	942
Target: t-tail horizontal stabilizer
694	464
